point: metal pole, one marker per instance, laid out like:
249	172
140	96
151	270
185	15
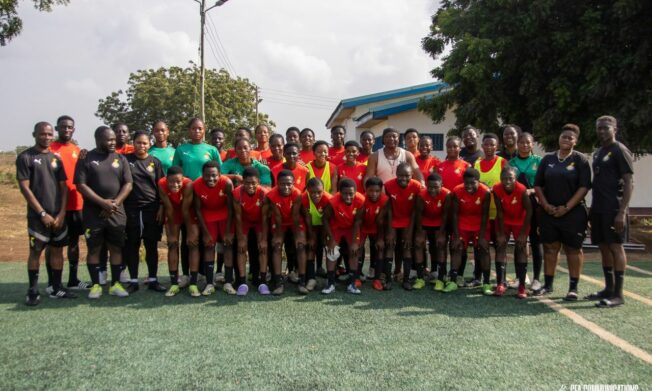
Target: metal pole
202	14
256	120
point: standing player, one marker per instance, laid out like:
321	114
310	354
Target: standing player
144	213
513	215
104	179
276	144
261	132
367	144
68	152
292	135
162	150
470	153
122	145
233	168
307	138
510	136
351	168
453	167
470	218
337	149
313	203
433	204
42	181
213	201
562	181
217	140
427	163
613	185
176	195
371	223
402	192
339	215
249	207
287	230
321	168
411	139
299	172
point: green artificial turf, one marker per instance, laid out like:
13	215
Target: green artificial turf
378	340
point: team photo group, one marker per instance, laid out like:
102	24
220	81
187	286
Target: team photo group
277	209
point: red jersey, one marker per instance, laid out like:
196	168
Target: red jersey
433	207
69	154
306	156
427	165
452	172
273	163
175	198
300	175
487	165
469	213
325	199
343	214
213	199
223	156
284	204
371	212
319	171
126	149
362	158
264	154
252	205
356	173
230	154
513	209
336	155
402	201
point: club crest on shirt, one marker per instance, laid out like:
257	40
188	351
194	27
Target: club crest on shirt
298	181
457	170
54	164
150	167
116	163
221	193
360	176
606	157
74	155
571	166
439	204
207	156
355	210
410	197
534	166
514	201
87	233
257	202
477	201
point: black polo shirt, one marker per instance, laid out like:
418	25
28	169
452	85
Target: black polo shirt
104	173
561	179
610	163
44	171
146	174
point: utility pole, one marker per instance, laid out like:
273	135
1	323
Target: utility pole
257	101
202	73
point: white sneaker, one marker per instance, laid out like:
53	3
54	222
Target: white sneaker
219	278
352	289
124	277
328	290
49	290
311	284
527	280
536	285
183	281
513	284
228	288
209	290
293	277
102	275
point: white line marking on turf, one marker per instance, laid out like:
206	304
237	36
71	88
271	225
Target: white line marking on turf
638	270
592	280
599	331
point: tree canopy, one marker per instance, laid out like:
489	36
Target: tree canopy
11	25
172	94
540	64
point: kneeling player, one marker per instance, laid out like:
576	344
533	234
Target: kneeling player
470	219
340	214
214	207
176	195
431	214
513	214
249	208
371	223
313	203
284	201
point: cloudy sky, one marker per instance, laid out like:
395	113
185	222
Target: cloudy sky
305	55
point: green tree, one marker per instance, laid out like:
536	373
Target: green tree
544	63
11	25
172	94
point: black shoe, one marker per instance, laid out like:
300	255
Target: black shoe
542	292
407	286
156	286
78	285
62	293
599	295
33	298
571	296
132	287
387	286
610	303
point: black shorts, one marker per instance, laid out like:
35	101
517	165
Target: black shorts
142	224
603	231
75	222
569	229
40	236
98	230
